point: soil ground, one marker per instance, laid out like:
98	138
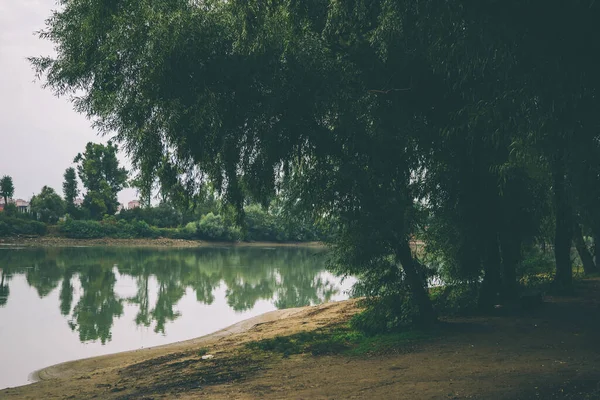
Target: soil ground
552	352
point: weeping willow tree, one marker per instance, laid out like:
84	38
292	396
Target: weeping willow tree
363	113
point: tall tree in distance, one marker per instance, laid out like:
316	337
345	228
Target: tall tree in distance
7	188
70	189
98	169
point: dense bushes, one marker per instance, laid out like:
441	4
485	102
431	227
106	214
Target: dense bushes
107	228
259	225
11	226
162	216
212	227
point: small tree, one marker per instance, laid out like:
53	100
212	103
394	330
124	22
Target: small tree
70	189
7	189
48	205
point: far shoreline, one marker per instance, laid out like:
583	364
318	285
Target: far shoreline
54	241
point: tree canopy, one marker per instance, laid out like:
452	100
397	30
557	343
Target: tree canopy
70	189
103	178
473	123
7	188
47	205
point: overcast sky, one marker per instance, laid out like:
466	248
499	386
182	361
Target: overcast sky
39	133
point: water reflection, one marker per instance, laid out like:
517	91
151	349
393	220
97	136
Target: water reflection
87	279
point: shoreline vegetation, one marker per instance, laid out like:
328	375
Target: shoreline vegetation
55	241
311	352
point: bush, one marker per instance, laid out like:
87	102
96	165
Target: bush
10	226
212	227
162	216
261	226
458	299
108	227
75	229
385	315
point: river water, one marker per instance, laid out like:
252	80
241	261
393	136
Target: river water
62	304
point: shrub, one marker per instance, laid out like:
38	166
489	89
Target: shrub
10	226
457	299
261	226
386	314
212	227
109	227
81	229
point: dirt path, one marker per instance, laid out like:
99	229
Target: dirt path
549	353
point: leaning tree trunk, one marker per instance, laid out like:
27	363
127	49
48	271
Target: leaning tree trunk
589	267
490	287
563	280
416	285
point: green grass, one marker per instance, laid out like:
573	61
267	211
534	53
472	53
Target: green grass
203	351
340	340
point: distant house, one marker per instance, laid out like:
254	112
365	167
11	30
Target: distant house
133	204
78	202
22	205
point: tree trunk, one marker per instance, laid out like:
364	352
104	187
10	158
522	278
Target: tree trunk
596	246
584	253
490	287
563	280
417	287
510	245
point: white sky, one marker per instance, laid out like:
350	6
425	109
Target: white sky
39	133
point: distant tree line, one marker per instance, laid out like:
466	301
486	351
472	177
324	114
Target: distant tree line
102	177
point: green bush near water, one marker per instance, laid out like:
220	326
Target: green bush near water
75	229
12	226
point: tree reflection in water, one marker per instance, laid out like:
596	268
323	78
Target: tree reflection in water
289	277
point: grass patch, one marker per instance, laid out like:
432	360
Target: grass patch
340	340
203	351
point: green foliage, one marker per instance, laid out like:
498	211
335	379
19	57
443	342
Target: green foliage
458	299
380	119
10	210
12	226
213	227
7	188
70	189
384	315
99	171
77	229
162	216
47	206
261	226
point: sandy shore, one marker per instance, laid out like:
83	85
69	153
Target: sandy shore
103	377
71	368
52	241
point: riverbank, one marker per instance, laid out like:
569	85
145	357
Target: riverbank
54	241
548	353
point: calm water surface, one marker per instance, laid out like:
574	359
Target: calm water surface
63	304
